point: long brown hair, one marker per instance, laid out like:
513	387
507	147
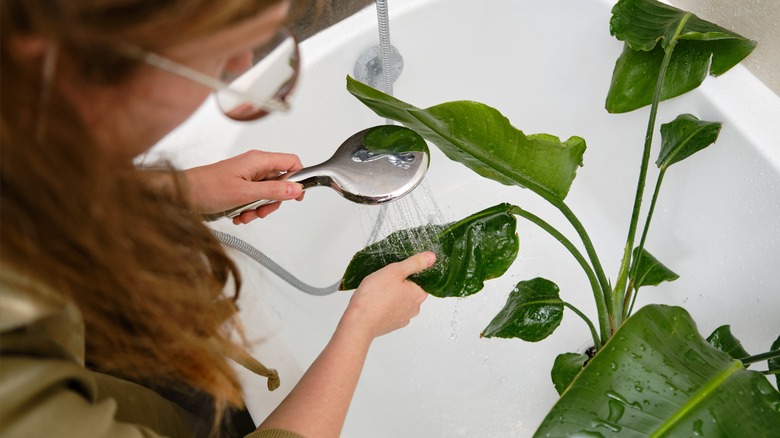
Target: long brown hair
146	275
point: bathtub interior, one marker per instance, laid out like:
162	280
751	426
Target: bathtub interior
546	65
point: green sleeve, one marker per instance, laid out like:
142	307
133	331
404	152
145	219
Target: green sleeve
45	390
56	398
273	433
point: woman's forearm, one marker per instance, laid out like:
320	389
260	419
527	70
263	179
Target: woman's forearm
318	404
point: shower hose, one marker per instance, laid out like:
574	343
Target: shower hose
255	254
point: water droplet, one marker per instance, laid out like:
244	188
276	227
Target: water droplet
606	424
616	411
697	428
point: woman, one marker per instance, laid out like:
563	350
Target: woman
109	284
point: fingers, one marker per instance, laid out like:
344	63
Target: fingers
259	213
415	264
277	190
242	179
268	165
385	300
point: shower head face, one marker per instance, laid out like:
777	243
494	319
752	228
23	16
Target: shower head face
374	166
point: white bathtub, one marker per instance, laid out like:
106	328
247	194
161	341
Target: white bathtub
546	64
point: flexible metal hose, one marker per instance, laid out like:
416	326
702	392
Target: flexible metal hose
255	254
383	21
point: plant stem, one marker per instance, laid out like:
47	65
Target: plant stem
770	372
606	289
587	320
619	293
760	357
601	305
653	202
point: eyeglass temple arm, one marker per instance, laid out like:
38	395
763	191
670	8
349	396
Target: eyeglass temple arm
215	84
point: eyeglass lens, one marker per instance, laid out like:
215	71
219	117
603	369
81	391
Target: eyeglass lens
265	84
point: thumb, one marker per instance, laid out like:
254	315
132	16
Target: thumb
416	263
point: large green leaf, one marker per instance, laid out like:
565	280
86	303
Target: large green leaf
722	339
482	139
699	46
683	137
658	377
532	312
650	272
477	248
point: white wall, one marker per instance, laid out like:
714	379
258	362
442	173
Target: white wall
755	19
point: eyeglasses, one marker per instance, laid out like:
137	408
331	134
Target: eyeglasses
256	88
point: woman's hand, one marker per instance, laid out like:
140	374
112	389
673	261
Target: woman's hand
243	179
385	300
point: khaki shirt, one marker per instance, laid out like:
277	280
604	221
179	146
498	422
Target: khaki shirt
45	390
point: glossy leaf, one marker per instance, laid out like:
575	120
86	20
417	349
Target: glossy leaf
698	47
658	377
532	312
482	139
651	272
477	248
774	364
725	341
683	137
636	73
565	369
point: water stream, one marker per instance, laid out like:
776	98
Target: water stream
411	214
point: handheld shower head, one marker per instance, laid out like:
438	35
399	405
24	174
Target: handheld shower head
373	166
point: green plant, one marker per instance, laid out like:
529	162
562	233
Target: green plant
652	372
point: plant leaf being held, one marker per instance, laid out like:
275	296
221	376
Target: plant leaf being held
642	25
657	377
479	247
532	312
482	139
